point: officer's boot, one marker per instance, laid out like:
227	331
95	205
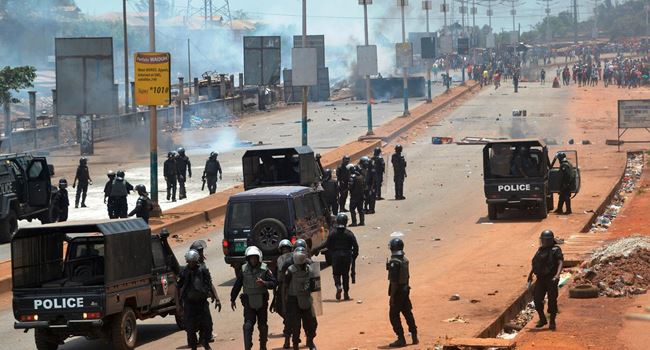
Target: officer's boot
414	337
551	324
338	293
248	336
310	344
542	320
362	218
354	218
296	343
287	342
399	343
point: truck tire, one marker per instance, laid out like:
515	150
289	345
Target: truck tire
493	212
43	340
8	227
267	234
124	330
583	291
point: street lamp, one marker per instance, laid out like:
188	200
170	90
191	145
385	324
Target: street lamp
402	4
365	4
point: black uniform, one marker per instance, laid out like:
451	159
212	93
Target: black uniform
110	200
515	81
566	180
342	178
255	300
369	196
142	208
331	194
195	285
398	291
184	170
120	189
283	263
399	171
81	179
299	304
357	190
342	248
379	165
61	203
545	264
211	172
170	171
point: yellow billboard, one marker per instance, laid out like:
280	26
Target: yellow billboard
152	78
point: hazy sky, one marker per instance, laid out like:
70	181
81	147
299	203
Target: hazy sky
348	12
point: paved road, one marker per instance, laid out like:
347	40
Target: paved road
445	202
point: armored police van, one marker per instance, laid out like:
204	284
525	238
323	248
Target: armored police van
92	279
26	192
518	174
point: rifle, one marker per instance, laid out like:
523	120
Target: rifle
353	274
203	185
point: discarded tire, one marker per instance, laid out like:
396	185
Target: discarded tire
583	291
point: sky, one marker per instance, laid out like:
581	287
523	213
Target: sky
349	14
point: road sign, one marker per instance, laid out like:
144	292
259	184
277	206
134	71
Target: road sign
152	78
463	46
633	114
367	60
304	71
85	83
404	54
428	47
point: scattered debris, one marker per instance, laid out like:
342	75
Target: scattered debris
454	297
457	319
511	328
586	142
439	140
471	140
519	112
396	234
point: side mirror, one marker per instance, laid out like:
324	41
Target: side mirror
50	167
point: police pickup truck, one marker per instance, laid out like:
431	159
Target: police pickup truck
92	279
518	174
26	192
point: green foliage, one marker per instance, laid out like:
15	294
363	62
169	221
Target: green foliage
14	79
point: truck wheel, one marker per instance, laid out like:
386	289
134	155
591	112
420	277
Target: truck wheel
44	340
124	331
8	227
492	212
267	234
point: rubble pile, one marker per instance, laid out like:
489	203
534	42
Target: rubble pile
633	171
619	269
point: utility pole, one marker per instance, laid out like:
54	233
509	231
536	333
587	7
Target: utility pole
405	70
368	91
446	33
490	13
575	22
594	34
189	70
549	36
647	28
126	59
305	89
153	123
513	12
426	5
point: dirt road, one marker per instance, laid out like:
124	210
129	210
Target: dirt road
452	246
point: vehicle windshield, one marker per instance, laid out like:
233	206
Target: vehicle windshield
508	160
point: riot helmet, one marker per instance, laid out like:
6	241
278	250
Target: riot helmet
300	256
377	151
192	256
396	246
252	252
317	156
547	238
300	243
83	161
398	148
170	154
364	161
199	245
561	156
181	151
346	160
327	174
213	155
110	174
341	221
120	174
63	183
285	244
141	189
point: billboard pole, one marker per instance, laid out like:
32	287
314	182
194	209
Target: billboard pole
426	4
126	60
153	124
405	70
368	92
304	88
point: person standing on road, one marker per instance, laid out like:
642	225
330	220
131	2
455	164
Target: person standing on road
211	170
542	76
399	171
298	286
369	185
108	199
515	80
194	284
143	206
398	292
256	279
61	202
356	185
343	249
83	176
330	191
277	304
379	165
184	167
566	182
120	189
170	171
200	247
342	178
547	266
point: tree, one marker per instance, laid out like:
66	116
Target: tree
14	79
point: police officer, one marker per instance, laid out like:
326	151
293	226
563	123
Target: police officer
515	80
369	178
399	171
298	286
83	176
108	199
211	171
566	181
120	189
61	202
200	247
379	165
194	283
398	291
144	205
256	279
356	185
285	247
320	165
342	178
331	192
343	249
184	172
170	171
547	266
